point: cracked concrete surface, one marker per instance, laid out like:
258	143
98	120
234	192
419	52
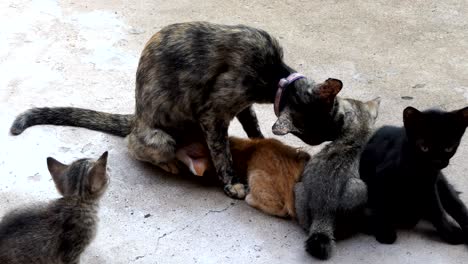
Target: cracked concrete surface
85	53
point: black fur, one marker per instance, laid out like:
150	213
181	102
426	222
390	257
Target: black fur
402	169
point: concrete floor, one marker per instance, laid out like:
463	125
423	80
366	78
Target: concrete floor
85	53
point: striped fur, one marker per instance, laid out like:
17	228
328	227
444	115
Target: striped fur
58	232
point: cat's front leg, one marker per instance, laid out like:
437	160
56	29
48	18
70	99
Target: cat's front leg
381	223
384	231
249	122
301	206
453	205
448	231
216	135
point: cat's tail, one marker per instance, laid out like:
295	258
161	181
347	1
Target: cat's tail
321	241
116	124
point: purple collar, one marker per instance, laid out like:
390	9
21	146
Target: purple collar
282	85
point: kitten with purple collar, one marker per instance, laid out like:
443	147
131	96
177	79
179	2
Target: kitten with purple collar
402	167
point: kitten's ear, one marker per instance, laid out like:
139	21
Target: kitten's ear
283	125
373	106
328	90
97	174
411	115
57	170
463	113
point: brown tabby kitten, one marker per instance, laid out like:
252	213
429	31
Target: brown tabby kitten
195	78
58	232
270	167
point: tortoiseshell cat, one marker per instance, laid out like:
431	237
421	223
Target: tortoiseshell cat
58	232
402	169
195	78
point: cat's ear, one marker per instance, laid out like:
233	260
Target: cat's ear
411	115
57	170
328	90
283	125
373	106
98	174
463	113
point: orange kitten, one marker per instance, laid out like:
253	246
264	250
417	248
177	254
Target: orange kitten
270	167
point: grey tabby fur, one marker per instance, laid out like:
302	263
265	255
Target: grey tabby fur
330	188
58	232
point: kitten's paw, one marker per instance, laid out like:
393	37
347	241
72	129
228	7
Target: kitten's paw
236	190
170	167
386	237
453	235
320	246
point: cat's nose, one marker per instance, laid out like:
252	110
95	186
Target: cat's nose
440	163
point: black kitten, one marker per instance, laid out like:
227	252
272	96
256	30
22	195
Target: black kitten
402	169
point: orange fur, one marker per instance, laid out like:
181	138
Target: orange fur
270	167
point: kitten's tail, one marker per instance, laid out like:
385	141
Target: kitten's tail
321	241
116	124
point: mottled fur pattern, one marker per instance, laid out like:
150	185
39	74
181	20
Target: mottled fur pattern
195	78
402	169
116	124
330	188
58	232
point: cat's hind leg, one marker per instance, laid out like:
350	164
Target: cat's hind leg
154	146
195	158
352	203
354	195
453	204
263	194
449	232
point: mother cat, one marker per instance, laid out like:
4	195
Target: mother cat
195	78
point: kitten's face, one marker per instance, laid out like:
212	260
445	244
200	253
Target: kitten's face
309	112
83	178
357	114
435	135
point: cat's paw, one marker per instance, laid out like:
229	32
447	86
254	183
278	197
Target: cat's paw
465	234
386	237
236	190
170	167
452	235
320	246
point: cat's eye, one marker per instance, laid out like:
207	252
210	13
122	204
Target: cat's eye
424	148
448	149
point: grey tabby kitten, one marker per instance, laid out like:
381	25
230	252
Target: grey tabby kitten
58	232
192	80
330	189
